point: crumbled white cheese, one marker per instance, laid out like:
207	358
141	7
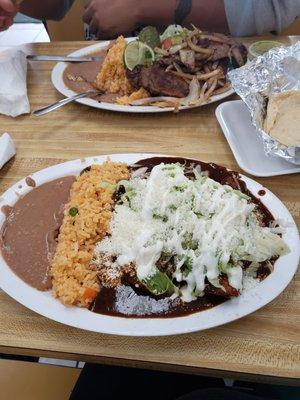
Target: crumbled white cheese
206	226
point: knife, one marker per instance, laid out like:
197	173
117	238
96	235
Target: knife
62	58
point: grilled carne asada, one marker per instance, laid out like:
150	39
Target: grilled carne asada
157	81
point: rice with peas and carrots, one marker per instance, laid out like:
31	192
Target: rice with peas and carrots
112	77
86	221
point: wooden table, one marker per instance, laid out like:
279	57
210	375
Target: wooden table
264	345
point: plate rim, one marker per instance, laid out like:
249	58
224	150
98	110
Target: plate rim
57	81
144	326
227	133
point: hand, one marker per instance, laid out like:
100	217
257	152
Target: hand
110	18
8	9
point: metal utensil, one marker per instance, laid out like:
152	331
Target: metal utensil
62	58
63	102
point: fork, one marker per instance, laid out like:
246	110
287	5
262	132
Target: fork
63	102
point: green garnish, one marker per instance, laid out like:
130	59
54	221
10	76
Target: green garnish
164	218
172	207
223	267
169	167
73	211
177	39
131	193
179	188
138	53
107	185
175	31
188	242
201	180
187	266
159	284
241	195
150	36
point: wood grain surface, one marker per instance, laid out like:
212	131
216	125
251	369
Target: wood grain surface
265	343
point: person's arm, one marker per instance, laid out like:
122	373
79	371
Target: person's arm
8	10
46	9
254	17
208	15
109	18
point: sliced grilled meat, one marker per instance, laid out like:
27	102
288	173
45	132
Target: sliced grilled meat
220	50
239	54
225	64
203	43
166	61
134	76
223	47
157	81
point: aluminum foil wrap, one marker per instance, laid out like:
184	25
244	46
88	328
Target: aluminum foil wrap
276	71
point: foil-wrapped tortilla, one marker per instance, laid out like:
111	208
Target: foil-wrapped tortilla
276	71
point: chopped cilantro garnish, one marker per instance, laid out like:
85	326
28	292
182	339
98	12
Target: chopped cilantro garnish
199	214
164	218
188	242
179	188
172	207
187	266
169	167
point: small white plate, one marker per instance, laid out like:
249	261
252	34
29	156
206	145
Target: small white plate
58	82
251	300
245	143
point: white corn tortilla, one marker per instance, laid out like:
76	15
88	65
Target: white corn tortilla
283	118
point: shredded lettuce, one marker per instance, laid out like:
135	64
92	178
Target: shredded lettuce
266	245
176	32
150	36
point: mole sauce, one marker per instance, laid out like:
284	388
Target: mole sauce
127	301
261	192
30	182
124	301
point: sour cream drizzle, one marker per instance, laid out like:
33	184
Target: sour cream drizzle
207	227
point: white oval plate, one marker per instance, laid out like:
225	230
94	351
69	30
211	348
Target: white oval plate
43	303
58	82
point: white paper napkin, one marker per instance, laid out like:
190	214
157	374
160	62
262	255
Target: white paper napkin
13	87
7	149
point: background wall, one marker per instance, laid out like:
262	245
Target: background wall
293	29
71	27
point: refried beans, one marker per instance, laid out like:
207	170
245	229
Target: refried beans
28	235
80	77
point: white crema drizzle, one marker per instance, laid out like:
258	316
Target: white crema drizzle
208	228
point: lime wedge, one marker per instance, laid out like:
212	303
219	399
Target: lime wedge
150	36
138	53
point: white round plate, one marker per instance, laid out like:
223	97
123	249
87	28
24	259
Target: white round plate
43	303
58	82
